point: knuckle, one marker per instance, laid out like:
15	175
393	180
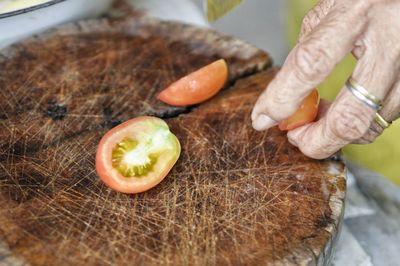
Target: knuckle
279	107
327	5
369	138
320	10
392	40
310	19
362	7
372	134
375	130
349	124
366	4
315	15
312	61
305	26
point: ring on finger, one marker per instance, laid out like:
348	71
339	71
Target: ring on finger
363	95
381	121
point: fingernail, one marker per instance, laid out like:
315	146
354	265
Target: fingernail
292	141
293	136
263	122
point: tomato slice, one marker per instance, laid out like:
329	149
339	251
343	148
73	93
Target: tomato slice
137	155
307	113
198	86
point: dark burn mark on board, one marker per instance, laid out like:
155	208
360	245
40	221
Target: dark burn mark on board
110	120
56	111
324	220
173	112
107	111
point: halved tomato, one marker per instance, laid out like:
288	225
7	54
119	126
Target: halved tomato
137	155
198	86
307	113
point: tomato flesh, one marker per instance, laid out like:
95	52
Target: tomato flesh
121	161
198	86
137	155
307	113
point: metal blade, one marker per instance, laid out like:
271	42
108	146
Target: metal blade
215	9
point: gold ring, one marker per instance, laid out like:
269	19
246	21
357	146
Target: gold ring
381	121
362	94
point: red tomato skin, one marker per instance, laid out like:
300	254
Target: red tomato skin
197	86
111	177
306	114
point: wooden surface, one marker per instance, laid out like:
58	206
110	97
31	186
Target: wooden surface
235	197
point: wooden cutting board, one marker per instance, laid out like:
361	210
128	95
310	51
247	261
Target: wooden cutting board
235	197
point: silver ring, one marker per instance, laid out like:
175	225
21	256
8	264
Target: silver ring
362	94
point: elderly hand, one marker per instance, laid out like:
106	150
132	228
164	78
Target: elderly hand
370	29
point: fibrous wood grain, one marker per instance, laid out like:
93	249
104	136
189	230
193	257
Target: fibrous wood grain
235	197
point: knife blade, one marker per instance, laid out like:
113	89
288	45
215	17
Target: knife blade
215	9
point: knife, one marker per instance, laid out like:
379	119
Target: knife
215	9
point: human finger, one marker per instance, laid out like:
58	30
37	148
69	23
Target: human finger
308	64
390	112
314	16
348	119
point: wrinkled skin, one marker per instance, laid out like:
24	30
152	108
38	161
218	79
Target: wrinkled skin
370	30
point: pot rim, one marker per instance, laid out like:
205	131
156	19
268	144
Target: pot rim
30	9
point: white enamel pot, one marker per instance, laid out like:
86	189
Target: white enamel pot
22	23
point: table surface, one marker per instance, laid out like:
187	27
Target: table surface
371	228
